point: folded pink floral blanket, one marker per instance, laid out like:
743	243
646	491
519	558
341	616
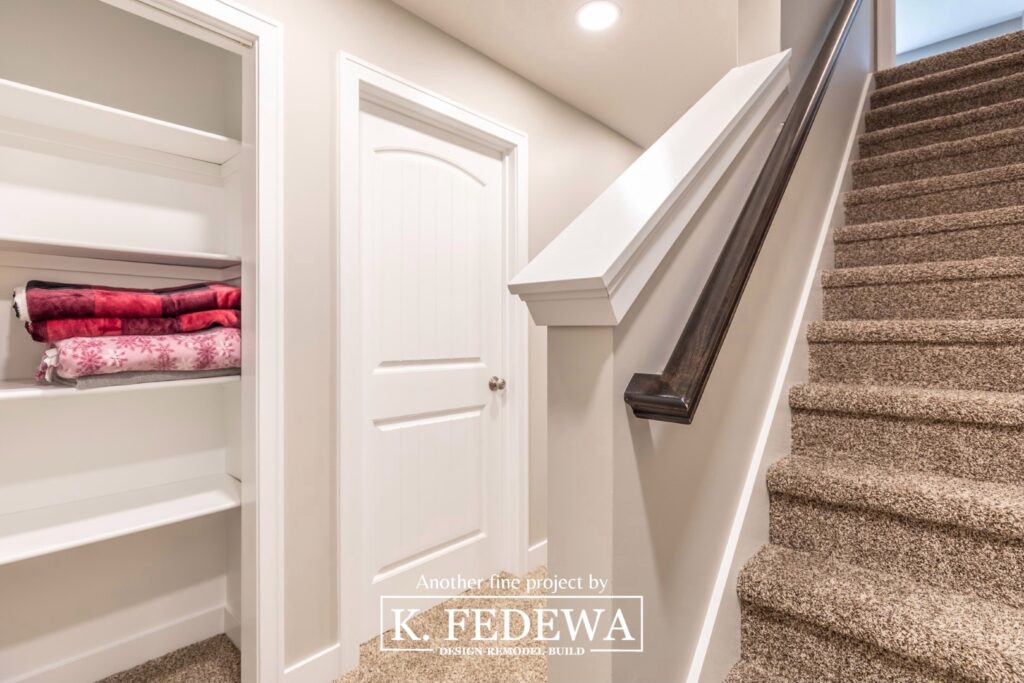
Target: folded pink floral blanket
219	347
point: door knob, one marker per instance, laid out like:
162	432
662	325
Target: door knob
496	384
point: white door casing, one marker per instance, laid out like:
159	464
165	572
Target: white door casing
432	462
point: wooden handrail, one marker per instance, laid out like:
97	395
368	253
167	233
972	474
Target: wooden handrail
673	395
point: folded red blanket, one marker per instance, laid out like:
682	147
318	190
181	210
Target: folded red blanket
65	328
38	301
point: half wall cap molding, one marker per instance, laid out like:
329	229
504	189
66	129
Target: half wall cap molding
594	270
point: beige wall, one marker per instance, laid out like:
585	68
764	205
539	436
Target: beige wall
803	25
803	210
759	33
671	479
768	26
572	158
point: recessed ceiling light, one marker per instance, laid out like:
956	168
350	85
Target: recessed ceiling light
598	15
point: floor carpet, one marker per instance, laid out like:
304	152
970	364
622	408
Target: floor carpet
216	660
897	521
430	667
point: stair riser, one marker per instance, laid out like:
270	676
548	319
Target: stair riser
869	148
950	558
806	653
1013	42
973	451
955	245
944	299
985	367
943	105
955	200
940	166
938	84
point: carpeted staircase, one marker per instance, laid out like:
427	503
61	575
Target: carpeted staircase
897	522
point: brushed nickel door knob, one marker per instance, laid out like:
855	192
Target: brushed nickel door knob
496	384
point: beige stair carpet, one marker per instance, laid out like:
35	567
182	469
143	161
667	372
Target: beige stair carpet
897	522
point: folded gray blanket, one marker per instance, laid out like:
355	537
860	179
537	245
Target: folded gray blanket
124	378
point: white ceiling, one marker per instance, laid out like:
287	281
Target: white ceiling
923	22
637	77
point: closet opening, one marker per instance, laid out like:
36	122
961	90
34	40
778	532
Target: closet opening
138	256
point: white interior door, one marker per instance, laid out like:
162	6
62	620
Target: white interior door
433	331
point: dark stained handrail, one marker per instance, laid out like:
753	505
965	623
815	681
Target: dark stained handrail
673	395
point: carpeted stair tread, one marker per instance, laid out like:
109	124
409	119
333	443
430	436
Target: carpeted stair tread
993	91
927	225
948	237
989	188
945	128
985	288
752	672
971	54
949	79
970	638
1009	331
991	508
982	355
972	450
979	152
946	557
911	403
932	271
805	653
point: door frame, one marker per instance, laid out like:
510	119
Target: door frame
360	82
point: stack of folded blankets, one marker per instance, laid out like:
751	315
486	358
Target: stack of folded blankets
109	336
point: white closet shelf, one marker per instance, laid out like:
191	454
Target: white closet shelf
46	530
23	102
116	253
28	388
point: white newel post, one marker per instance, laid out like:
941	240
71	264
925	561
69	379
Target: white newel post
582	285
580	404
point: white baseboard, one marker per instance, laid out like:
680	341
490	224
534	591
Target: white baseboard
233	627
323	667
127	653
537	555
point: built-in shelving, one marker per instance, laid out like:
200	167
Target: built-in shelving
21	102
51	529
13	390
131	173
116	253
